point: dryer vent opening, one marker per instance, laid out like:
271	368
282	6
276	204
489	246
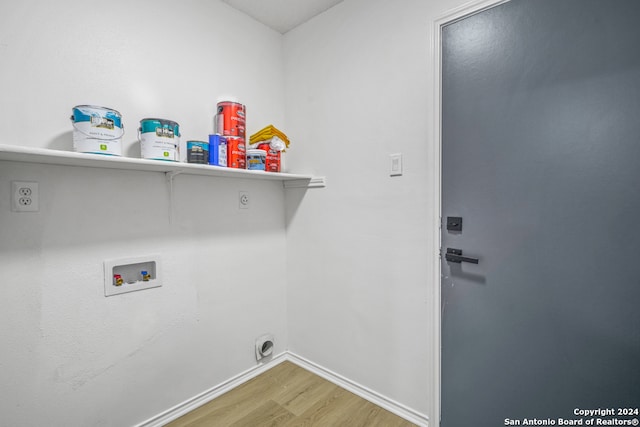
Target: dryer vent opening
264	346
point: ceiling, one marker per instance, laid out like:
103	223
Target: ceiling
282	15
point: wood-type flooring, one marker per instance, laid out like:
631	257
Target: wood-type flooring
289	396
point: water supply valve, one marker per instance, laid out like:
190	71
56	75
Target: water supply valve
117	280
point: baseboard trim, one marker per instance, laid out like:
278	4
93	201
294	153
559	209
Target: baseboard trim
218	390
360	390
208	395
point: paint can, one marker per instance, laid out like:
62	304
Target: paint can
97	130
198	152
230	119
236	152
256	159
217	150
272	162
159	139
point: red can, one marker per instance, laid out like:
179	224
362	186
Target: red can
236	152
273	158
231	119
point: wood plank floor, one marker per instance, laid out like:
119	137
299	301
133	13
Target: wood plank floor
287	396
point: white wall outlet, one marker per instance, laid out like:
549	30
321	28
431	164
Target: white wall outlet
395	166
243	200
24	196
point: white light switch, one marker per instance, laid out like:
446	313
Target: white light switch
396	164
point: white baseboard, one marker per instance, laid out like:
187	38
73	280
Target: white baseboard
355	388
360	390
208	395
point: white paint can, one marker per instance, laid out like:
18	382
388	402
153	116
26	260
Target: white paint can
256	159
97	130
159	139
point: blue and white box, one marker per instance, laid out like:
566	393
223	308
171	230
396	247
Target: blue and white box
217	150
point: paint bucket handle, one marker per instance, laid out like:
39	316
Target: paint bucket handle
91	136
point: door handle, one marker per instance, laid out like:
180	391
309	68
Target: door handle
455	255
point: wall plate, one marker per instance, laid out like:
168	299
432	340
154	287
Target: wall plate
395	164
126	274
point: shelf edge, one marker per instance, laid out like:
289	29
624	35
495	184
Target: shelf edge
17	153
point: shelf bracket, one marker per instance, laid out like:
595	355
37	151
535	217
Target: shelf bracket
171	174
315	182
169	177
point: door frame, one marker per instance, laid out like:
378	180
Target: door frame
449	17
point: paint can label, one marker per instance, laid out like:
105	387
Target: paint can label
159	139
230	119
97	130
256	159
198	152
272	163
217	150
236	153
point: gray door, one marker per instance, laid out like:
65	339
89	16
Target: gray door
541	160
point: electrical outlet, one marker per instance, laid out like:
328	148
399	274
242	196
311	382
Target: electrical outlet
24	196
243	200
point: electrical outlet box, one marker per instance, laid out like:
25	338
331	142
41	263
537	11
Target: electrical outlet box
131	274
243	200
24	196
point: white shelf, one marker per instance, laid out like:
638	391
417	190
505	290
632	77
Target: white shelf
17	153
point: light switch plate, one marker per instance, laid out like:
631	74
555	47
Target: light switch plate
395	165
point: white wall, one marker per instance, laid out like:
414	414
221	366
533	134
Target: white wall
359	86
71	356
